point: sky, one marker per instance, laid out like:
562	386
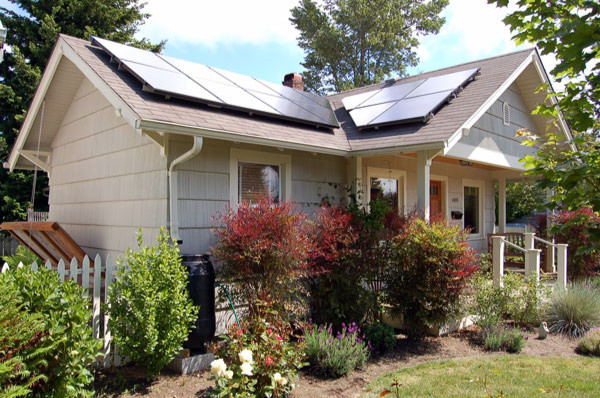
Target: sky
256	37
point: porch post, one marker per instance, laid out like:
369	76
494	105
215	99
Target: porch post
424	159
498	260
561	262
502	204
355	179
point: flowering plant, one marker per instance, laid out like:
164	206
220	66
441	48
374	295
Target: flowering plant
338	354
258	359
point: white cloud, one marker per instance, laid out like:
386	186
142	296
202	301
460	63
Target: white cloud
212	23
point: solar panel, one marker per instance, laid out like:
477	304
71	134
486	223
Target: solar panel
174	77
406	102
164	81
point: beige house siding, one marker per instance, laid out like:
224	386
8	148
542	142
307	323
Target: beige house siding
106	180
203	184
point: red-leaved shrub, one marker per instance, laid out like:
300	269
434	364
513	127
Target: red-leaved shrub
573	228
263	249
433	263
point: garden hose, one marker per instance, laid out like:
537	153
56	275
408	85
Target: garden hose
230	302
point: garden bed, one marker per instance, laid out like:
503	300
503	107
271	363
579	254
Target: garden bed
128	382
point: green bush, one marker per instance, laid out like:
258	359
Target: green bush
504	339
519	300
335	355
431	268
21	348
150	309
574	310
381	337
22	255
590	344
65	314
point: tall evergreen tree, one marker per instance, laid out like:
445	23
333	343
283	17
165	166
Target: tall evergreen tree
32	31
354	43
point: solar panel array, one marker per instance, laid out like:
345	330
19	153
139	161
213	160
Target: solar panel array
407	102
178	78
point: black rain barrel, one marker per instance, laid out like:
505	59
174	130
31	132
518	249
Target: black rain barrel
201	286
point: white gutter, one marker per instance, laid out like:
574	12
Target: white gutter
173	194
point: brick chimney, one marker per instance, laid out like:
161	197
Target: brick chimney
293	80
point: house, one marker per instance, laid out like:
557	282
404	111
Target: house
131	139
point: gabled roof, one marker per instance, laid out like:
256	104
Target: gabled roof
152	112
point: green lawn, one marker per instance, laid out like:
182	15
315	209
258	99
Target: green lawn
514	375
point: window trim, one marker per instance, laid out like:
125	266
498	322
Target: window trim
481	185
273	159
399	175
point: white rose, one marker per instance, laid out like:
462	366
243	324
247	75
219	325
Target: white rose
218	367
245	356
229	374
246	369
279	380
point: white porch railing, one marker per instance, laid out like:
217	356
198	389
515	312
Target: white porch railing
36	216
96	281
532	258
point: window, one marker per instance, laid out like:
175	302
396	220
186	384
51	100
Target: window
254	174
258	180
506	113
473	207
386	189
388	185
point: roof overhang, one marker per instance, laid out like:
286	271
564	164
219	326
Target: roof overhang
533	59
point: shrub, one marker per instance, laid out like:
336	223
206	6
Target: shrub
65	314
504	339
573	228
574	310
258	359
21	348
590	344
519	300
349	288
263	248
150	309
336	355
22	255
432	266
381	336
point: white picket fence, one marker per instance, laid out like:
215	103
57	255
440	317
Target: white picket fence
96	281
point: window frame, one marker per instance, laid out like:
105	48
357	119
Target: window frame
284	162
481	185
398	175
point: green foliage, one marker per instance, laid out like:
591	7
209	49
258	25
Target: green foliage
504	339
21	348
522	200
354	43
574	310
64	313
381	336
569	30
22	255
335	355
432	266
150	309
519	300
32	32
590	344
258	359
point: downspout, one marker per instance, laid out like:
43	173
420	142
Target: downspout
173	194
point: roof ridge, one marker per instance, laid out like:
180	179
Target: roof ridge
396	79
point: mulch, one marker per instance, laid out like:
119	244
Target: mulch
128	381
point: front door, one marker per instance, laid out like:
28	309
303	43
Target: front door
435	199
